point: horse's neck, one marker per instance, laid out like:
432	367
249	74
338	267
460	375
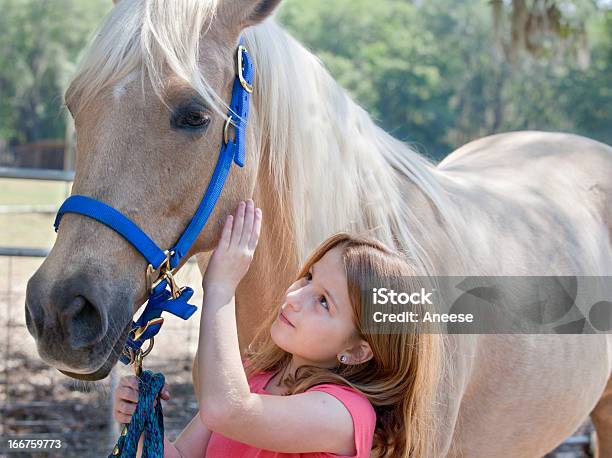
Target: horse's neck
387	205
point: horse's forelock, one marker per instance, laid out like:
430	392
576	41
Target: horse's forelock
153	37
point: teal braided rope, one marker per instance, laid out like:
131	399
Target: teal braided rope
147	418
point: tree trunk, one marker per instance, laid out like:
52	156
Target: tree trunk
497	9
520	14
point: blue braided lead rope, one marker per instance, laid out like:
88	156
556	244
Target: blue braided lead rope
147	419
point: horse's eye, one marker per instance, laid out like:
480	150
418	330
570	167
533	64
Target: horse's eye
190	118
193	119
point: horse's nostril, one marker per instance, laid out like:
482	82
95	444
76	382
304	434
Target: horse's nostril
83	323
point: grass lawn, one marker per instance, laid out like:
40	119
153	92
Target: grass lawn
29	230
32	192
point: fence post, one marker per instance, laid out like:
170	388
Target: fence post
113	426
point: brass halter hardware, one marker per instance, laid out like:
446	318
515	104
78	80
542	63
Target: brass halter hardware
243	82
247	87
136	356
163	272
228	123
140	331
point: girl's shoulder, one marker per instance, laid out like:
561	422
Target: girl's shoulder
353	399
360	409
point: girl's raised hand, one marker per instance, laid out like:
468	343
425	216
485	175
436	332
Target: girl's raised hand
234	253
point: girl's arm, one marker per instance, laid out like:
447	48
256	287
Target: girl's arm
195	377
190	443
306	422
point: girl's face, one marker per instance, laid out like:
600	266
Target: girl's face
316	320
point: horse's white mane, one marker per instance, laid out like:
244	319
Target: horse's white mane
332	167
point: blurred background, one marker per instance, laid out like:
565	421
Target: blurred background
457	71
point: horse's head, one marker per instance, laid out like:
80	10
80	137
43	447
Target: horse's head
148	104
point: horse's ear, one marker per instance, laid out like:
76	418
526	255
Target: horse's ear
260	10
240	14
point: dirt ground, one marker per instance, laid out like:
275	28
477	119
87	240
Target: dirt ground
38	402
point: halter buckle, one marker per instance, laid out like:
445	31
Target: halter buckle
175	289
163	272
228	123
137	355
243	82
141	330
154	276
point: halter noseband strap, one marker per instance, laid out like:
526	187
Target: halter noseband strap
164	294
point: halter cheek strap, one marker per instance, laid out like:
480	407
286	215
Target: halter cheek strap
164	294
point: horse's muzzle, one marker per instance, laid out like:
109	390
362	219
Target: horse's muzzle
69	319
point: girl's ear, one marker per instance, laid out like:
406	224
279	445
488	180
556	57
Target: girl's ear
360	353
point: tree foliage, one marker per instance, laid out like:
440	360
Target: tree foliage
542	27
39	44
433	72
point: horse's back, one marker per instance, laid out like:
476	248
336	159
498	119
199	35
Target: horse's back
523	184
512	148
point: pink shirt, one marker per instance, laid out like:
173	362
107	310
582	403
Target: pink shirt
364	423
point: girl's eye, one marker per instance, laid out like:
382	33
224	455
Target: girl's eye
322	299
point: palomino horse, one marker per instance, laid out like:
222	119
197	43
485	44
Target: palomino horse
148	102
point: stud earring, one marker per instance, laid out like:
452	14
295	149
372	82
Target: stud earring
343	359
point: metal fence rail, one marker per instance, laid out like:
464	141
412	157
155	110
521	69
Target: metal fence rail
36	174
23	252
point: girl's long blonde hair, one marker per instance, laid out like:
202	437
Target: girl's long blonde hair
402	377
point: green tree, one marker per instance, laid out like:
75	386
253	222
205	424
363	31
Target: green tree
39	44
431	72
540	27
435	73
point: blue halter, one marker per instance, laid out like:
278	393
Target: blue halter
164	294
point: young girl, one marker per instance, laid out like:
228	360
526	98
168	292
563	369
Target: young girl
316	382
